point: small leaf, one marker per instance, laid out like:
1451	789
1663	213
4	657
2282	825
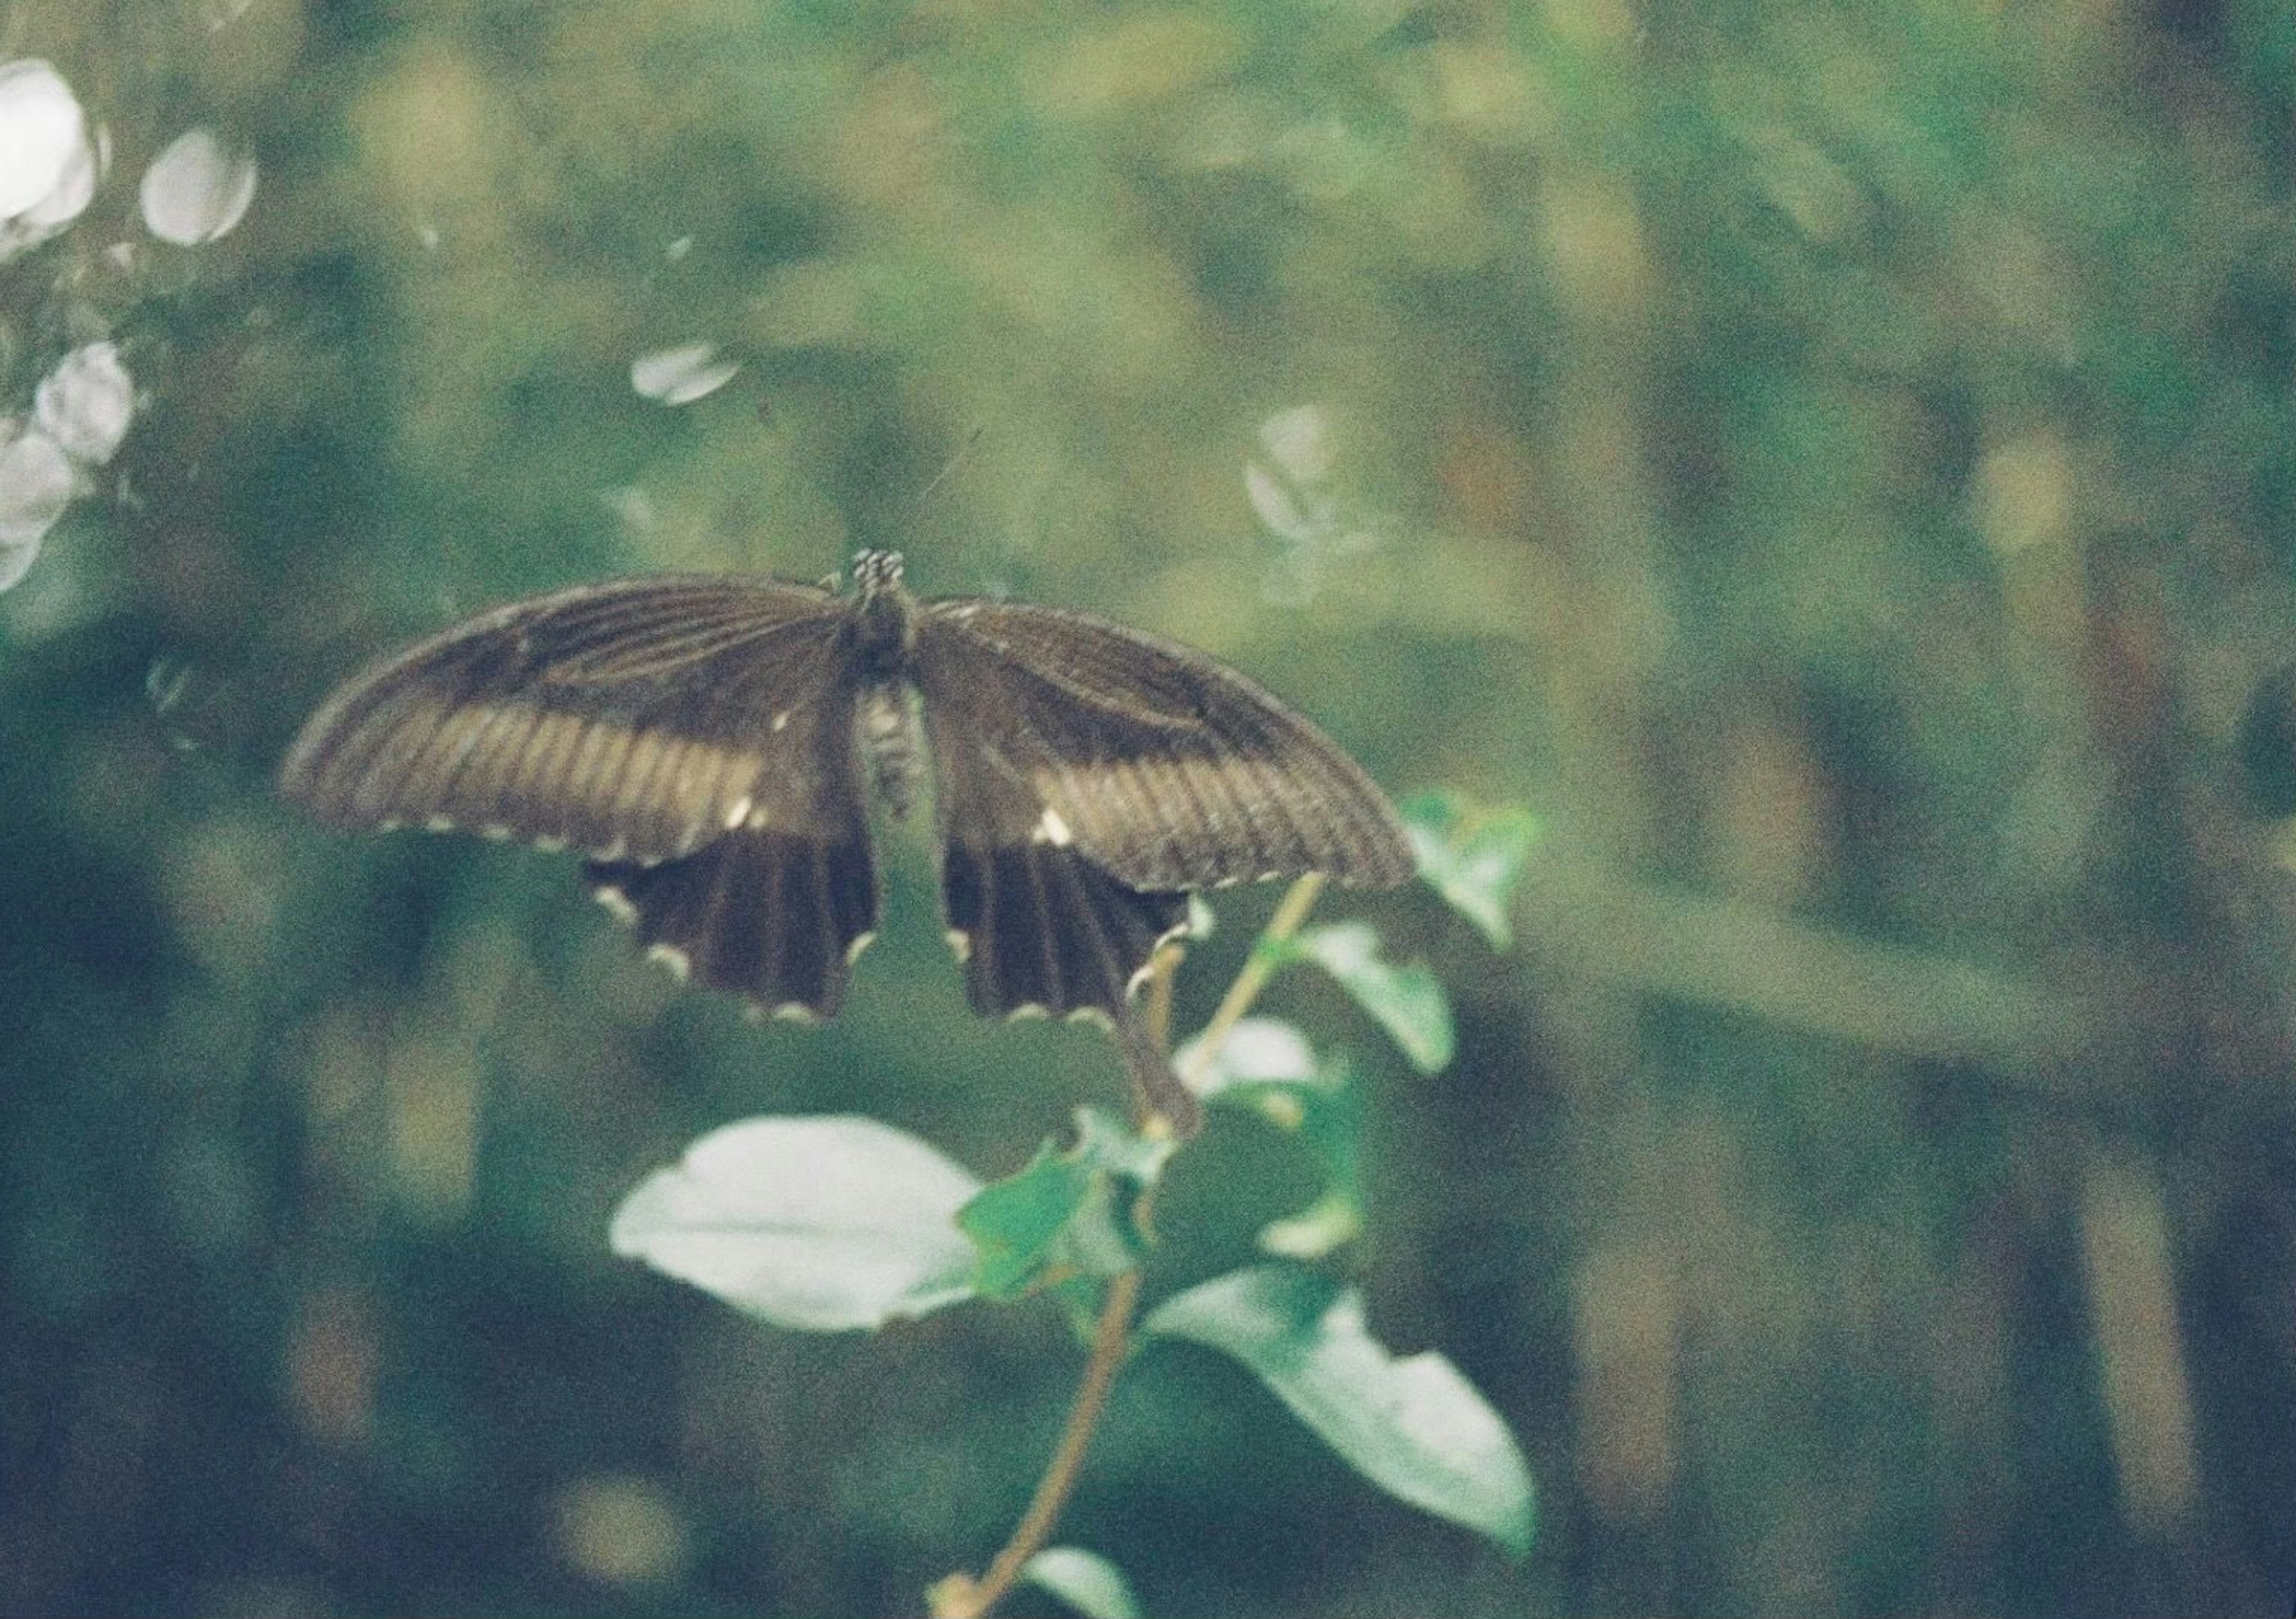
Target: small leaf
1267	1066
1414	1427
1086	1581
1330	1222
816	1224
1328	1119
1063	1212
1472	856
1408	1002
1257	1050
1016	1224
1107	1141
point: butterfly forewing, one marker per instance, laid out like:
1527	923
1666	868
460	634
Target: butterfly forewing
630	720
1168	769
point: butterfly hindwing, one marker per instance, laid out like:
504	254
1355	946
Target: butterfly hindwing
1045	929
773	918
1168	770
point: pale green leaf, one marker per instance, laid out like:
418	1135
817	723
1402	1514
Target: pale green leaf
1086	1581
1472	856
1267	1066
818	1224
1414	1427
1257	1051
1407	1002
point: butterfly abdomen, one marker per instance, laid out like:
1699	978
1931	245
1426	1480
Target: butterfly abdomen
890	735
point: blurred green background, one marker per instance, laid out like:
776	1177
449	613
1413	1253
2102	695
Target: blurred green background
1834	462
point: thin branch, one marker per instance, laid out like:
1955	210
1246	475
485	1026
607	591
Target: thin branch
960	1597
1297	903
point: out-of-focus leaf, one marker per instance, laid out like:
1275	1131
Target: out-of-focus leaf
1414	1427
1257	1051
1067	1212
1330	1222
1105	1140
1472	854
818	1224
86	403
197	189
42	130
1086	1581
1267	1065
683	374
37	481
1408	1002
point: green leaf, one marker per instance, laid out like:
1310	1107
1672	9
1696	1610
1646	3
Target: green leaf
1016	1224
1267	1065
1105	1140
1472	854
1086	1581
816	1224
1332	1221
1259	1051
1408	1002
1414	1427
1068	1211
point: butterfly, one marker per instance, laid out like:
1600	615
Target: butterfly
712	745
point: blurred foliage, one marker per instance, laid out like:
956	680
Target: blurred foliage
1832	462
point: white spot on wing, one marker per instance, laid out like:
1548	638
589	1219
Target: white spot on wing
1051	829
961	942
680	964
440	823
861	942
782	720
739	812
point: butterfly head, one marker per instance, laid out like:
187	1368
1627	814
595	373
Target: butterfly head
876	573
886	616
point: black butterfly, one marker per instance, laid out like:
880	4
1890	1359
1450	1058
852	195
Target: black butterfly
711	743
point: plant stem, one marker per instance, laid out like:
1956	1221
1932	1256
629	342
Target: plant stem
1298	902
961	1597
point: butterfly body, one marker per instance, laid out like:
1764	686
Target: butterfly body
712	744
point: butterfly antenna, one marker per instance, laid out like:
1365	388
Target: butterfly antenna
962	453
